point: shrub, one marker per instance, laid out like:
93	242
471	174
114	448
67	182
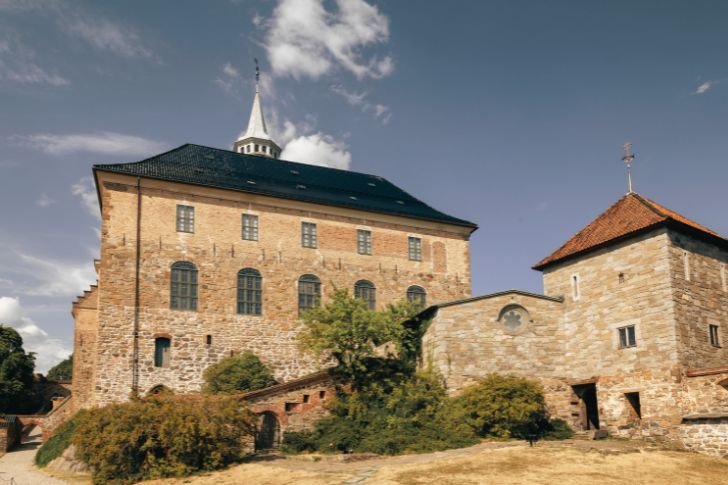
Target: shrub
163	436
59	441
244	372
556	429
411	416
61	371
298	442
502	407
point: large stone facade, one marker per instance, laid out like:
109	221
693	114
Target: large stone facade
106	316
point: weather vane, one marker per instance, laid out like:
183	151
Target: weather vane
628	158
257	73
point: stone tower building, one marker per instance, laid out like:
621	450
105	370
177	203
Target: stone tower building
207	252
629	336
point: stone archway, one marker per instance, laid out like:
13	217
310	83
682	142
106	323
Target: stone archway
269	432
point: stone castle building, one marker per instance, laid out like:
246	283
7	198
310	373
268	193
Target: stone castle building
208	252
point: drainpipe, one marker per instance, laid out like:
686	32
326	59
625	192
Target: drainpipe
135	343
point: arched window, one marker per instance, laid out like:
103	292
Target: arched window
309	292
416	294
183	291
250	292
161	352
159	389
366	291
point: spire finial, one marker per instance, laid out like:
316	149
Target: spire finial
628	158
257	73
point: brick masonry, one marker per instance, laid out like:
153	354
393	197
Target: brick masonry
105	315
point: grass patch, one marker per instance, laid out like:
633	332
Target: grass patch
61	439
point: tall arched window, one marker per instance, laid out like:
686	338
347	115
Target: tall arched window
250	292
417	294
366	291
161	352
309	292
183	291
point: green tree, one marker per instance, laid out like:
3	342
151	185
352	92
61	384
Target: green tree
352	334
244	372
63	371
16	373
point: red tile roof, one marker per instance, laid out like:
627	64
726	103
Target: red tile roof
628	216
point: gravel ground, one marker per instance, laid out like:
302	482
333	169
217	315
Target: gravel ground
18	464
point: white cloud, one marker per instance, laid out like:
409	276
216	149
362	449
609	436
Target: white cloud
86	190
379	111
105	142
49	351
18	65
705	87
306	40
107	36
229	70
318	149
53	278
44	201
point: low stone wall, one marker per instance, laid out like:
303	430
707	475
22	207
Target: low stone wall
48	423
705	434
9	433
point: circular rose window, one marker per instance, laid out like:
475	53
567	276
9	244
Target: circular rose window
514	318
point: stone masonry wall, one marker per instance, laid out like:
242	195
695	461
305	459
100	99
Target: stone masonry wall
218	251
85	334
708	435
642	297
700	294
466	342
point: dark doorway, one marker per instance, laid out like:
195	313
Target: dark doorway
268	432
589	408
634	407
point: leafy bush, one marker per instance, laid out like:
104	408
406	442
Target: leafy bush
298	442
556	429
244	372
163	436
410	416
502	407
59	441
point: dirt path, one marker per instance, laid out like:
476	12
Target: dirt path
18	464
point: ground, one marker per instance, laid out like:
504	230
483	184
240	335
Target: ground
18	464
566	463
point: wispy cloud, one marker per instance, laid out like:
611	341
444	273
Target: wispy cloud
229	78
44	201
18	65
86	190
359	99
705	87
306	40
105	142
54	278
49	351
105	35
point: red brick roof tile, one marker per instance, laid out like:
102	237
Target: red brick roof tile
629	215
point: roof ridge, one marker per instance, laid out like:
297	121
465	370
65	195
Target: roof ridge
144	159
650	205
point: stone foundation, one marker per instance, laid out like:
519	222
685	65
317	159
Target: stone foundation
708	435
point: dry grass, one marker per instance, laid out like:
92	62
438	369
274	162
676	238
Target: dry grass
548	463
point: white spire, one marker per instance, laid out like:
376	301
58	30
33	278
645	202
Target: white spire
256	140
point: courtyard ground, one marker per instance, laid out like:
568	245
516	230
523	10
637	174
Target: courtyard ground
563	463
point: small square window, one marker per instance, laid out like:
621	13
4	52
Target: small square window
364	241
627	337
415	248
209	340
308	235
250	227
713	331
185	218
306	398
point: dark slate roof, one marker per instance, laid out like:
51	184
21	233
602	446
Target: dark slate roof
212	167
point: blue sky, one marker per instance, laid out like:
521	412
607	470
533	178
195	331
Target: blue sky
509	114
